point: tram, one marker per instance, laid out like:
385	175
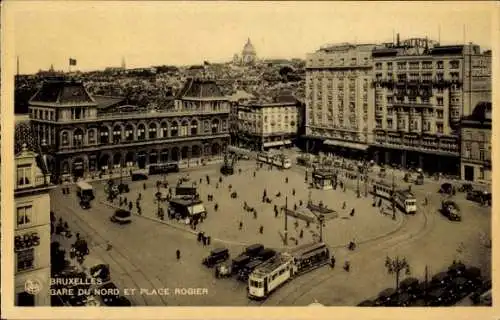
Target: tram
269	276
383	190
278	160
406	201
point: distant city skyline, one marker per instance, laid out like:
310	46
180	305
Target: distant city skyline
99	35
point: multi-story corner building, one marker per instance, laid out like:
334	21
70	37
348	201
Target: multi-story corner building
339	99
32	230
422	90
83	138
475	132
264	125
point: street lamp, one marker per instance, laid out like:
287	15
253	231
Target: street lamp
395	266
286	220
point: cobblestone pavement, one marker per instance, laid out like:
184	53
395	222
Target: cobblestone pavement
143	253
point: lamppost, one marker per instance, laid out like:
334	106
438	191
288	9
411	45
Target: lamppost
286	220
395	266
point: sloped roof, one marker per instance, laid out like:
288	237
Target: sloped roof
104	102
62	92
24	142
198	88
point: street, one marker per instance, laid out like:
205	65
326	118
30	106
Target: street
143	252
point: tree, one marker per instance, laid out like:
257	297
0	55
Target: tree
395	266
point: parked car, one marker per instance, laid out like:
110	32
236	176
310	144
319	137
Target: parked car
254	250
446	188
216	256
85	204
479	196
451	210
265	254
121	216
466	187
239	262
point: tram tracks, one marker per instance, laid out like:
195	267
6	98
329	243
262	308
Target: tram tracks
121	254
308	284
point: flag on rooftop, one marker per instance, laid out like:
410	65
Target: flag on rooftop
72	62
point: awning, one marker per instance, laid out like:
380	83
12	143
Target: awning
346	144
273	143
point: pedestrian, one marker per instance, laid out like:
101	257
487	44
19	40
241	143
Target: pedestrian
294	207
230	187
130	206
139	211
178	254
220	179
144	185
300	202
204	240
254	214
380	202
343	205
425	201
286	180
239	170
332	262
352	212
216	186
308	223
208	240
254	173
261	229
216	206
293	192
201	180
301	233
241	225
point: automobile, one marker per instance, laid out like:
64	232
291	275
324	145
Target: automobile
457	269
121	216
139	176
227	170
248	268
85	204
386	297
466	187
254	249
441	280
108	298
446	188
266	254
479	196
216	256
239	262
366	303
451	210
223	270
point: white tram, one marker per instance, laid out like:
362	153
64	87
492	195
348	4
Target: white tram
269	276
382	189
278	160
406	201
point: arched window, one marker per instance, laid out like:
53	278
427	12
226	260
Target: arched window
129	132
117	134
164	130
104	135
152	131
91	138
141	132
184	128
215	126
174	130
78	138
65	138
194	128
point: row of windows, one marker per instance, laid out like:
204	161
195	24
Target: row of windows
413	65
42	114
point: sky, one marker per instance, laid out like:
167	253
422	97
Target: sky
100	34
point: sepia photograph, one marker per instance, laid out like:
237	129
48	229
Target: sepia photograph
247	154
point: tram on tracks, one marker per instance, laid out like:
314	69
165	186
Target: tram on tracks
405	200
269	276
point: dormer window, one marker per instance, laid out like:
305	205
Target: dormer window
24	175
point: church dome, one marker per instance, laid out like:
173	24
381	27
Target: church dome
248	48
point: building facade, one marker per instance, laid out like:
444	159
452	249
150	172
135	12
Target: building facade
475	132
81	138
248	55
339	99
264	125
422	90
32	231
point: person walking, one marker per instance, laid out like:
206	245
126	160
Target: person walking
261	229
241	225
216	206
293	192
254	214
178	254
332	262
352	212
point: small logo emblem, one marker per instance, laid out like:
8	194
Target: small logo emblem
32	286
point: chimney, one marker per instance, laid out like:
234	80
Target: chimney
397	39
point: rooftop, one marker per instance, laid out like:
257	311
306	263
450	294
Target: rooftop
200	88
104	102
62	92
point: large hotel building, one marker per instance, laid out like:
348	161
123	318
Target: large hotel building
409	113
83	137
